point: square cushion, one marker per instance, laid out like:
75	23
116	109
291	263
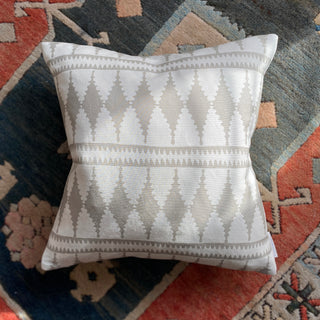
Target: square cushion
160	148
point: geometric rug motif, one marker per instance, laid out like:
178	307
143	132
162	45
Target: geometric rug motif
34	165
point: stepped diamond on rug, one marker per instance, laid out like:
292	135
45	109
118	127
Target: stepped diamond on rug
35	161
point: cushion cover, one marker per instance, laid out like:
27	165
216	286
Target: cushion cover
160	147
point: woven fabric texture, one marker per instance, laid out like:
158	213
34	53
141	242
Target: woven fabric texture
160	148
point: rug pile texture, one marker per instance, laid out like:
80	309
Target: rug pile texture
35	161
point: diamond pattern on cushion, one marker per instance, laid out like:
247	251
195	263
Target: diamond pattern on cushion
161	155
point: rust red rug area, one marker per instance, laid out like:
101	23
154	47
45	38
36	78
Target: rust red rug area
35	161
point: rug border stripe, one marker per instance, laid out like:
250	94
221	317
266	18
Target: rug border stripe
158	289
20	313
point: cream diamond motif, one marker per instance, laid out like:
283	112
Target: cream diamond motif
120	206
171	105
117	104
198	106
147	206
76	206
201	208
95	204
92	104
175	207
143	105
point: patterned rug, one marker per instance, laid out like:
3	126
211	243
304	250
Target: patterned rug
34	162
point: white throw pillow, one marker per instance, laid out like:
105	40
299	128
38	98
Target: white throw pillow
160	148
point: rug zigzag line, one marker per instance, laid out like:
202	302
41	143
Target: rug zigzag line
166	29
200	8
158	289
19	73
217	20
14	306
295	145
36	52
27	63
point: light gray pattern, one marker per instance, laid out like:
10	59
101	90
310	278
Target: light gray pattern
63	105
76	206
117	104
143	104
247	205
62	208
171	105
92	103
175	207
241	60
164	163
147	206
120	206
199	106
240	251
206	157
72	100
246	107
227	208
224	105
202	207
232	150
139	134
95	204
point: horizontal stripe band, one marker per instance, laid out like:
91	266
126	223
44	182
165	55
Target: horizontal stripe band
118	154
247	60
258	249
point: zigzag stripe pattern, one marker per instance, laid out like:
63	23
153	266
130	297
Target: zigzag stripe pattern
245	251
243	60
160	156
